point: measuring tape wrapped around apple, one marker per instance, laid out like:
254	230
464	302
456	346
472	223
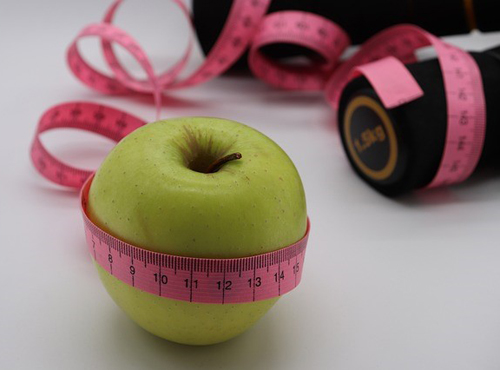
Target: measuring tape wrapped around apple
198	225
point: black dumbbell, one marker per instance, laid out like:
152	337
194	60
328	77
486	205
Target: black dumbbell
370	132
361	19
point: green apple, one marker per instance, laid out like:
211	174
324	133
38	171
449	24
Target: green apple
199	187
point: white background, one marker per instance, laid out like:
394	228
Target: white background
400	284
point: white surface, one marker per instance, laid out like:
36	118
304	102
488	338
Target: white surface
410	284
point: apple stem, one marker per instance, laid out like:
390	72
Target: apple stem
216	165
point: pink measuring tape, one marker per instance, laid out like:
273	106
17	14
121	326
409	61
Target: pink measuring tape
202	280
380	60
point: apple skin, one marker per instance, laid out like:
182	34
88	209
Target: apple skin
149	193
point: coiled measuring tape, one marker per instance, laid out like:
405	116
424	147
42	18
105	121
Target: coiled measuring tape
381	60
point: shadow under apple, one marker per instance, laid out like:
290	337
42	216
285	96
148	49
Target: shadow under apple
257	348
